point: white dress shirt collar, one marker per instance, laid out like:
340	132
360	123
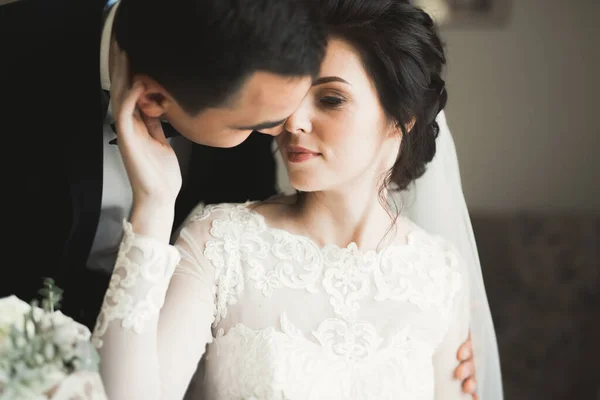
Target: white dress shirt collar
105	48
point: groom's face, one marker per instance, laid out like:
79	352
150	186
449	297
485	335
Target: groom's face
263	103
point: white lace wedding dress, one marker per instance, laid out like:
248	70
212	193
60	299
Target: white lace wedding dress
273	316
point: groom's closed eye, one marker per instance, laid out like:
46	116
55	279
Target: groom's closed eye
262	126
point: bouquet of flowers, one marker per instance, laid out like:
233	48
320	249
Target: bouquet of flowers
45	354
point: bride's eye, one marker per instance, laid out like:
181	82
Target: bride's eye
331	101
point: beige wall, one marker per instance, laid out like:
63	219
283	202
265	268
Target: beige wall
522	104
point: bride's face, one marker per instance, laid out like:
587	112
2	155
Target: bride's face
339	135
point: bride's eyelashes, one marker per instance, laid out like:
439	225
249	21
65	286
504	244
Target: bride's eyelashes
331	100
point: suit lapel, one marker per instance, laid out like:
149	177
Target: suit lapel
84	155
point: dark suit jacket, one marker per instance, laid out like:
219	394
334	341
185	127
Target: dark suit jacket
51	121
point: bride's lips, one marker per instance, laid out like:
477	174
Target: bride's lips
297	154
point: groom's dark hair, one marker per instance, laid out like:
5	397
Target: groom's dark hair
202	51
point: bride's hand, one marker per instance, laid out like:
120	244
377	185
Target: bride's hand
149	159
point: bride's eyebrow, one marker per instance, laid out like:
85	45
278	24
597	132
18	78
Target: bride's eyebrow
327	79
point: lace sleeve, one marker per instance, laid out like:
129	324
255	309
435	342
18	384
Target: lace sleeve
447	387
155	320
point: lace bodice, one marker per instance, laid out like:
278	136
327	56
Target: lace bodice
283	318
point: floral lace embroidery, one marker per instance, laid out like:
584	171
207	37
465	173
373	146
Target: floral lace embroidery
143	270
276	364
236	245
345	273
350	353
348	278
290	250
238	239
429	259
352	341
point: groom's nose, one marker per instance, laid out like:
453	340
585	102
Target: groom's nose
275	131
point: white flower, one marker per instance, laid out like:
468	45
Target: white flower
69	328
12	310
86	385
37	354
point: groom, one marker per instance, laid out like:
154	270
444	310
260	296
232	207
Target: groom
222	69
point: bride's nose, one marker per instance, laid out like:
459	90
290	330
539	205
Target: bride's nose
300	121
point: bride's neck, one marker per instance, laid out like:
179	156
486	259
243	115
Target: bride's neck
351	214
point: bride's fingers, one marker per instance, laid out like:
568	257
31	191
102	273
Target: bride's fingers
154	127
121	83
127	110
465	351
469	386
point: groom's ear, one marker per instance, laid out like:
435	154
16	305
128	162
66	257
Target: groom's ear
155	101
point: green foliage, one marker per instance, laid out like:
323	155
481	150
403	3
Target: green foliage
42	347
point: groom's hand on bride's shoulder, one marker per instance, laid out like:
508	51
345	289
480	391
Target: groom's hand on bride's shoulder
466	368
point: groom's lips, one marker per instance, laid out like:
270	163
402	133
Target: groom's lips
297	154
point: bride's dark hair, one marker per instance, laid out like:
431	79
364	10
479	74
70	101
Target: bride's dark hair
402	52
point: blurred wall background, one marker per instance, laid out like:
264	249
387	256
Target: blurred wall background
524	111
524	106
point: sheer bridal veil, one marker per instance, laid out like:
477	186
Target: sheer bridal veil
436	203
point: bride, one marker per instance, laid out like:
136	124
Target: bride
328	294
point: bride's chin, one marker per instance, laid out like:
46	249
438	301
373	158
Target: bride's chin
304	182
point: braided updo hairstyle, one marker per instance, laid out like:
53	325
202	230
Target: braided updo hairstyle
403	54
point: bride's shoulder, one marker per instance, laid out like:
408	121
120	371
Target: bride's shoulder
417	237
207	214
202	217
433	254
275	209
230	220
250	214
